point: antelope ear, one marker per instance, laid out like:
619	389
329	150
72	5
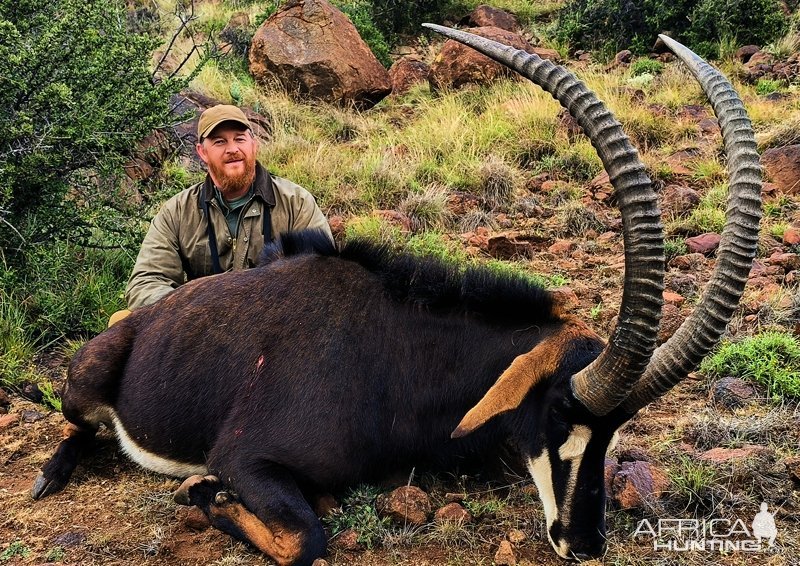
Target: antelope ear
514	384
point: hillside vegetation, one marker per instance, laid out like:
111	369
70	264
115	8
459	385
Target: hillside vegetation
494	174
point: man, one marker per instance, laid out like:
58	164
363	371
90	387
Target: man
222	223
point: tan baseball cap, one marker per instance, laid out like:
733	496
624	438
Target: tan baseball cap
215	115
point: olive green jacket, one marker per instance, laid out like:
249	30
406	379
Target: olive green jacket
175	249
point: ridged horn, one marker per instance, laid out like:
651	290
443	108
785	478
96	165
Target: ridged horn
684	351
607	380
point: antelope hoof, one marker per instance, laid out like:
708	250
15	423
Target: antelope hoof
44	486
197	490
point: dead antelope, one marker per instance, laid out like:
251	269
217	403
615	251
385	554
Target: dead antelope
322	368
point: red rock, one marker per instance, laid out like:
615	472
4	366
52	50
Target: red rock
791	236
677	161
315	52
505	555
688	261
759	58
721	455
457	65
325	504
732	392
407	72
787	261
745	52
550	186
484	15
678	199
705	244
454	497
454	513
636	482
562	247
782	167
337	225
609	471
673	298
7	421
408	504
516	536
347	540
394	217
509	245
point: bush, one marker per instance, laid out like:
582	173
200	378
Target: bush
77	94
612	25
645	65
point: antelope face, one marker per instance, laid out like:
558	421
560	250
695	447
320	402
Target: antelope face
567	465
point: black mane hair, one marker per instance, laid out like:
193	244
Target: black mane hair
431	282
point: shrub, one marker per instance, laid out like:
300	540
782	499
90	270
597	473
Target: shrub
611	25
767	86
77	94
771	359
646	65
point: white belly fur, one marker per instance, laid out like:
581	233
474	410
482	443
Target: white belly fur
152	461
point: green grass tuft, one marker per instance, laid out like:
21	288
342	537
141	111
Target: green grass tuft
771	359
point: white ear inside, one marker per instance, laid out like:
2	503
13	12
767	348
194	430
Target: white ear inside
576	443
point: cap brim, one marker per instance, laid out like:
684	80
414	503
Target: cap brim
213	125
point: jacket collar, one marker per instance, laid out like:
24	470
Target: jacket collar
263	186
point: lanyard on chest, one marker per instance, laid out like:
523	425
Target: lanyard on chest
266	231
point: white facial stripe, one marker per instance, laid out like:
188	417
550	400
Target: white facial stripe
539	469
153	461
576	443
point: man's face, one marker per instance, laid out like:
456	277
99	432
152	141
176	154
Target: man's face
229	151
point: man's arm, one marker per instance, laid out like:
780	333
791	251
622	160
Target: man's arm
158	268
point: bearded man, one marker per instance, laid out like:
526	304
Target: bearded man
222	223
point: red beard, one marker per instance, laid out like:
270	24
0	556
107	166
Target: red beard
236	183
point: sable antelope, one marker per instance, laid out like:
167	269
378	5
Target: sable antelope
320	369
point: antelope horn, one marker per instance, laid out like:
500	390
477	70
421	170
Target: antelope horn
682	353
607	381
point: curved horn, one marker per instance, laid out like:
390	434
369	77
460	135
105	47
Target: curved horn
700	332
607	381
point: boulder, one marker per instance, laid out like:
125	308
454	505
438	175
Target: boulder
453	513
636	483
782	167
407	505
732	392
315	52
745	52
486	16
705	244
407	72
679	199
457	65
